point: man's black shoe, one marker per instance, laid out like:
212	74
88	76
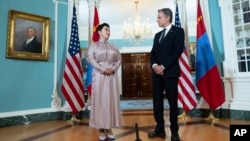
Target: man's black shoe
175	138
154	134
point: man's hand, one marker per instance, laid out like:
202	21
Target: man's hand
158	69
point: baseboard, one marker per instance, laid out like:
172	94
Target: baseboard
35	116
51	115
219	113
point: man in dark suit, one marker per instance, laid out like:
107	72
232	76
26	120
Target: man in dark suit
31	44
167	48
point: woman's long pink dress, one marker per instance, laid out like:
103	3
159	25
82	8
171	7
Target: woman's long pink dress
105	98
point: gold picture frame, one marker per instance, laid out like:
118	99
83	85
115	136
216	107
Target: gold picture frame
84	52
192	56
19	25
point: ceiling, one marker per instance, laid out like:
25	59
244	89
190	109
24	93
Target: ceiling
115	12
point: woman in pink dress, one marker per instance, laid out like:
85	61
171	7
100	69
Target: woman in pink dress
105	110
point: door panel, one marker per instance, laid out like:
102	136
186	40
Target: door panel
136	76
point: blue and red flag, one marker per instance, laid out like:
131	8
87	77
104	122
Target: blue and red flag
95	38
208	79
89	78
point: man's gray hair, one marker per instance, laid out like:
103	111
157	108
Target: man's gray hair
167	12
31	27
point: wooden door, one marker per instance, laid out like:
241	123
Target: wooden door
146	76
136	76
129	75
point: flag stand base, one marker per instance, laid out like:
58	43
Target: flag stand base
183	115
74	120
211	117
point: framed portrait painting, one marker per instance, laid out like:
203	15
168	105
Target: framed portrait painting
84	52
28	36
192	56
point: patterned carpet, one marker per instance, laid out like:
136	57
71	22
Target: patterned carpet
139	104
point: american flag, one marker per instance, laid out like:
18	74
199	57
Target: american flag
186	89
72	83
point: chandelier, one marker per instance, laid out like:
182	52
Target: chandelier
135	30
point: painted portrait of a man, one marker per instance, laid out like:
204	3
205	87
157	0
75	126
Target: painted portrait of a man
28	36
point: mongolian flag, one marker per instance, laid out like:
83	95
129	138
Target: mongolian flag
208	79
95	38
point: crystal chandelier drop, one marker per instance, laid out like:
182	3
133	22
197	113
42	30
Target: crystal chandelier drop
135	30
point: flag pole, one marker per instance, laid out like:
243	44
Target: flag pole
211	117
73	119
183	115
74	55
206	57
182	84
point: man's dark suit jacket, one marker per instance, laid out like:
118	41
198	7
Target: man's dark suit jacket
34	46
167	52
